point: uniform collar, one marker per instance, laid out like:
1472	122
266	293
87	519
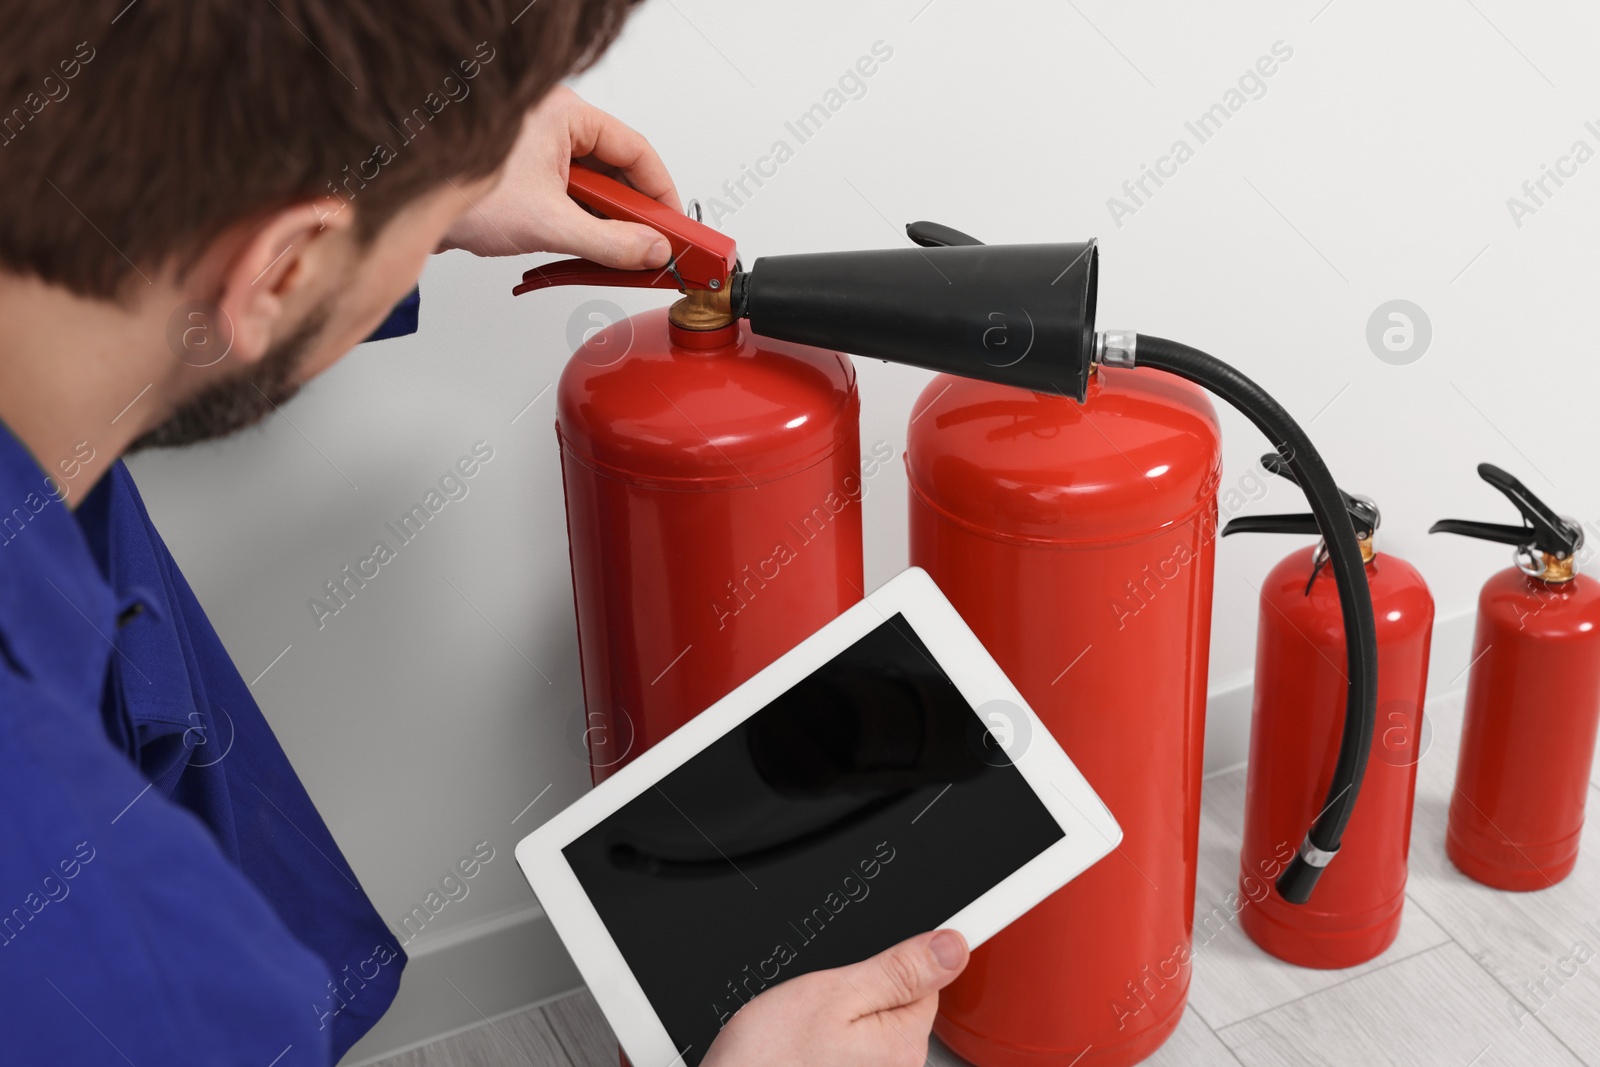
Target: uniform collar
57	611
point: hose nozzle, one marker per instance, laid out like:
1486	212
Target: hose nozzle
1020	315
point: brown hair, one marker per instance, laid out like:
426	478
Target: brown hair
131	134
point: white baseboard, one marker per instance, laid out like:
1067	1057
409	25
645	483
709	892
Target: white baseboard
510	963
1228	708
1451	654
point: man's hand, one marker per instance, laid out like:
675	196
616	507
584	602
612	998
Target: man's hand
529	210
876	1013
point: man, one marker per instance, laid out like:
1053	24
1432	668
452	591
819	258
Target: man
207	204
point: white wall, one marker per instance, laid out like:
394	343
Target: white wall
1377	165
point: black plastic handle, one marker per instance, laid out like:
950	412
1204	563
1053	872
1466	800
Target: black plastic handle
1484	531
1364	514
1545	530
1282	524
936	235
1273	463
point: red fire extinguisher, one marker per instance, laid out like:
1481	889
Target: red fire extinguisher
713	488
1299	696
1533	702
1064	500
1077	542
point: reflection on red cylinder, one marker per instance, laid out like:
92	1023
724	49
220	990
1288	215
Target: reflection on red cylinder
1300	695
713	488
1077	541
1527	742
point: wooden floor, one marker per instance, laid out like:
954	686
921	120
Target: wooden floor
1477	978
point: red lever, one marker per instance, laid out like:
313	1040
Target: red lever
585	272
702	258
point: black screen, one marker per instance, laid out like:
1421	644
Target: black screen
867	804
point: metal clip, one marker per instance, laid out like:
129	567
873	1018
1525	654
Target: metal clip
1116	348
1315	856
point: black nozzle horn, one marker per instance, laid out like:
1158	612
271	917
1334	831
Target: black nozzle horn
1544	529
1363	512
1020	315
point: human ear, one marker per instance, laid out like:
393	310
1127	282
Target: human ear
281	267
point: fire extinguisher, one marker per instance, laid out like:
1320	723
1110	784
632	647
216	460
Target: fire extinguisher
1299	689
1533	702
1019	321
713	487
1077	541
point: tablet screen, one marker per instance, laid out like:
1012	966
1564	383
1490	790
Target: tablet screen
867	804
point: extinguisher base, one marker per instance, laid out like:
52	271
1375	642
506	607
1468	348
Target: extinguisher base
1321	941
986	1051
1501	864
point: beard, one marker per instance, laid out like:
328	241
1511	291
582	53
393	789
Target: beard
241	401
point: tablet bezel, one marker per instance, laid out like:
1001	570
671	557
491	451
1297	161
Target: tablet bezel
1090	830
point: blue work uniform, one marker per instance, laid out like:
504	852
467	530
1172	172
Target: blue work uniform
168	894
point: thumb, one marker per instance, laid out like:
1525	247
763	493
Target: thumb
911	970
624	245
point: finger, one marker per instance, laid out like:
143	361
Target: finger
905	973
911	1023
624	245
595	133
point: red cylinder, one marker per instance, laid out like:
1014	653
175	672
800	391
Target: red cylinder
1300	692
713	488
1077	541
1527	743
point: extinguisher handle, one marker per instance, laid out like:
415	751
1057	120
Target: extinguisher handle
1499	533
1545	530
935	235
1284	524
1273	463
702	258
586	272
1363	511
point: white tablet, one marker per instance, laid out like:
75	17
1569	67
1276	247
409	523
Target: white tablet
881	779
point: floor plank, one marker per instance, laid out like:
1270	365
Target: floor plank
1192	1044
584	1031
589	1042
525	1039
1435	1008
1543	948
1233	979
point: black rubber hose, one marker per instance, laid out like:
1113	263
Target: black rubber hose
1349	571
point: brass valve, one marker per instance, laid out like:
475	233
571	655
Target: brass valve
703	309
